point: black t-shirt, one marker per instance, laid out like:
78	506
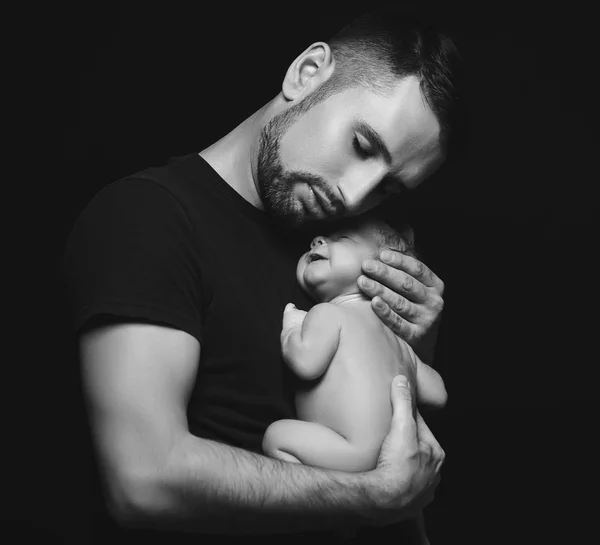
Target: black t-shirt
176	245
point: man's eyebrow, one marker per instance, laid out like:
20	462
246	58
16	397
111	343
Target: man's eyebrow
373	136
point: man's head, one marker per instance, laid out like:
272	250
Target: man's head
367	114
333	264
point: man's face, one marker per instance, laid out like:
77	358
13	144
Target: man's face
346	154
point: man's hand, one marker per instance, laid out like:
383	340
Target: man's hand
407	471
407	297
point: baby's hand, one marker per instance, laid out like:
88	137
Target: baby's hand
292	317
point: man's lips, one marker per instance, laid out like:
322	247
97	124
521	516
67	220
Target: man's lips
331	208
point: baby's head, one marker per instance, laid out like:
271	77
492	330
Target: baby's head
332	266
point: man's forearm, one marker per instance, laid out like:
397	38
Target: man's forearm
208	487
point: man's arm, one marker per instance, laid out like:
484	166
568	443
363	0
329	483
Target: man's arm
309	342
137	381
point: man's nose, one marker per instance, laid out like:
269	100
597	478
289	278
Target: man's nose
356	192
317	241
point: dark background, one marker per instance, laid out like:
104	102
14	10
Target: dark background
509	228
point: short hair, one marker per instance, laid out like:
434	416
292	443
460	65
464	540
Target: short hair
379	48
387	237
384	233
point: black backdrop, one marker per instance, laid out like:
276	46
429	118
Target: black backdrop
510	229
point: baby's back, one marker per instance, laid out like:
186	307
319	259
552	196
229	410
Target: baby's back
353	396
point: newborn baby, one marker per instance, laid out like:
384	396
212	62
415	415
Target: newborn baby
345	357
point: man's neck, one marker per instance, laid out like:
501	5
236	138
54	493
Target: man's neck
234	156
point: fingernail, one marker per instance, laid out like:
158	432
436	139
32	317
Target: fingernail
401	381
386	256
378	303
366	282
370	265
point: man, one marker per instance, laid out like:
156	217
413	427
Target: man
179	276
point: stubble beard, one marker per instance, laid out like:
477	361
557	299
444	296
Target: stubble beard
275	184
275	191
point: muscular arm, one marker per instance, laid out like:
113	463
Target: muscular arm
309	347
137	380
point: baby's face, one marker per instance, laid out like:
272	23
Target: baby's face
333	264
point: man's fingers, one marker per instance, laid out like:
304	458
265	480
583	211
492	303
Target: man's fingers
399	304
396	280
426	448
413	267
404	427
403	329
429	496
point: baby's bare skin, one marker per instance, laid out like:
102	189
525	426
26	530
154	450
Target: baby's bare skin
346	359
352	396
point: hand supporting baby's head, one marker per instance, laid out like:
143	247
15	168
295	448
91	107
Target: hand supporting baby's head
334	262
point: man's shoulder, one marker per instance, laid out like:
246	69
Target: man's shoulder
187	183
173	175
182	173
155	198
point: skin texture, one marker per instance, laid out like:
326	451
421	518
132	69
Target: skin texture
319	165
346	359
327	147
138	377
328	150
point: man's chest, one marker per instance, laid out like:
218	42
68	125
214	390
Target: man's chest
249	289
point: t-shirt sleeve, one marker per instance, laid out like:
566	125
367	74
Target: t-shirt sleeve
132	255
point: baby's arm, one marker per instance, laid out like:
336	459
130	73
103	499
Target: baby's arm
430	385
310	340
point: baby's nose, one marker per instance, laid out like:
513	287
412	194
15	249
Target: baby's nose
317	241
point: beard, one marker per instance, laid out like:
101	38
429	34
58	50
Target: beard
275	183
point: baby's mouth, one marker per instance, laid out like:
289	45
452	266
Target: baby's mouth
315	257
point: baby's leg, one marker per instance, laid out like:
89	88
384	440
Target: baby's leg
313	444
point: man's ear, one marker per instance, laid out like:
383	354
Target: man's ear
308	71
